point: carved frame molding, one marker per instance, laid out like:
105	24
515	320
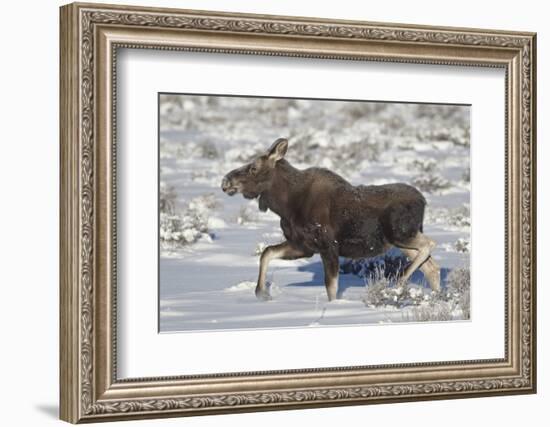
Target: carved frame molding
90	36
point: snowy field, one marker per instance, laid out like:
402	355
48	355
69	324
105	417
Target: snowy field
210	243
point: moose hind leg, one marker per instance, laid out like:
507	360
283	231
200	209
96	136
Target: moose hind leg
283	250
422	246
433	275
430	269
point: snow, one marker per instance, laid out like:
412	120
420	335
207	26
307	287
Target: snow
209	265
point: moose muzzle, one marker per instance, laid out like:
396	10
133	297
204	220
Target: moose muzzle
227	186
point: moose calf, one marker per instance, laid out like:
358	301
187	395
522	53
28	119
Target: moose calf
323	213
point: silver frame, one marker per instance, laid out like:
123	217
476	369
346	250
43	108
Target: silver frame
90	37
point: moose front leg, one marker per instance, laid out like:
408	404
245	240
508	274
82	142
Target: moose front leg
283	250
331	267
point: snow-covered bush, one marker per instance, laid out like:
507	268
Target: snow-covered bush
466	175
460	216
462	245
431	183
209	150
458	288
376	294
167	199
381	293
433	310
381	275
454	218
457	135
247	214
171	110
180	228
204	204
347	150
381	290
423	165
451	303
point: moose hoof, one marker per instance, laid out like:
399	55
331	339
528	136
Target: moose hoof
263	295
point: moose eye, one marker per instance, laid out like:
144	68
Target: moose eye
253	170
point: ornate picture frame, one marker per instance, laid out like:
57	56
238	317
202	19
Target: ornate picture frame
90	37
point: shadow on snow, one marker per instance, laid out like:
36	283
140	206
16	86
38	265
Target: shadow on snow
348	280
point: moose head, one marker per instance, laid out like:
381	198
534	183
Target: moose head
255	177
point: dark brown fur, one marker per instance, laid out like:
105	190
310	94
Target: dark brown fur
323	213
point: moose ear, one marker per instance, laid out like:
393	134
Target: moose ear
278	150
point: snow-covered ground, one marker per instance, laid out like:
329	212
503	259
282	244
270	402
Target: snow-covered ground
210	243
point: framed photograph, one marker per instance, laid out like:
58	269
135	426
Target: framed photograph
267	212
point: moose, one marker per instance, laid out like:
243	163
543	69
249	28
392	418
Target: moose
323	213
